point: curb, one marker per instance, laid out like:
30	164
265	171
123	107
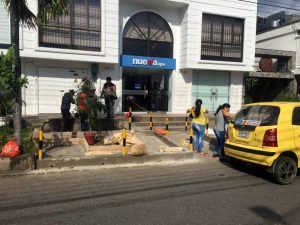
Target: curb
19	163
112	160
24	162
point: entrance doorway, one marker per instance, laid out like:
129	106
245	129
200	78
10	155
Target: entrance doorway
149	87
212	87
147	34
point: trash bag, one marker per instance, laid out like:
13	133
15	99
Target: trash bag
10	149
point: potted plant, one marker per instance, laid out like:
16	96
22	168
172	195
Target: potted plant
88	106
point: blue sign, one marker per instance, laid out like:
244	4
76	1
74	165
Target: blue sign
148	62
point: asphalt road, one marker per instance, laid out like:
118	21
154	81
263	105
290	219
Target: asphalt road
198	193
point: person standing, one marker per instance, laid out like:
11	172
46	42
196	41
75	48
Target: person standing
198	114
221	116
66	102
109	95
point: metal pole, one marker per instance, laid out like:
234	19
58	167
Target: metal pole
150	118
129	119
167	126
124	142
191	139
40	144
186	121
206	126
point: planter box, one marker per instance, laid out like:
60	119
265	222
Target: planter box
102	149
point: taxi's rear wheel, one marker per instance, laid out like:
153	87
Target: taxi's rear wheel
285	170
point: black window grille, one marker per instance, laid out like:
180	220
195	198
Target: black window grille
80	29
148	34
222	38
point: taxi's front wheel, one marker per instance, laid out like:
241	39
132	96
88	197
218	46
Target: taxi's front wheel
285	170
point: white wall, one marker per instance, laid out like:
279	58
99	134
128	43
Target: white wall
183	85
184	18
236	91
182	91
173	16
31	68
4	25
32	95
110	48
191	44
284	38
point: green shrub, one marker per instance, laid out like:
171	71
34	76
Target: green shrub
286	99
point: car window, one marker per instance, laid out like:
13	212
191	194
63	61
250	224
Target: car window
257	115
296	116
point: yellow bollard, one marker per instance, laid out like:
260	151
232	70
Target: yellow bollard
206	126
129	119
191	139
124	142
167	126
186	121
150	123
40	144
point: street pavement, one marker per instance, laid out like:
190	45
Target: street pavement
199	192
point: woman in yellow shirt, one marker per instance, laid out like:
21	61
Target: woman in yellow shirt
198	126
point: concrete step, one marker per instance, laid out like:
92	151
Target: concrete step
160	124
162	119
53	122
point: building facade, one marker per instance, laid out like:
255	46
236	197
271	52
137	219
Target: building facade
277	62
164	53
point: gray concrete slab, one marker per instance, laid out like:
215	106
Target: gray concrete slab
73	155
66	151
152	142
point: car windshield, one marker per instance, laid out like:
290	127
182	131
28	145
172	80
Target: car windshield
259	115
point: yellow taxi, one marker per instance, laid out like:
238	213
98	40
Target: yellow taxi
267	134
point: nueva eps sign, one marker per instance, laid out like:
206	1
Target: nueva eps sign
148	62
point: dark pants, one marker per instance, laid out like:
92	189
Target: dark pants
66	120
84	126
219	147
109	103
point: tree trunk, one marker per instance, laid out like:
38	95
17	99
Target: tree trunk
16	67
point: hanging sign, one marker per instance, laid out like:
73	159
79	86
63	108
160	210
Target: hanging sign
148	62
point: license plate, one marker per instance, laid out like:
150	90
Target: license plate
243	134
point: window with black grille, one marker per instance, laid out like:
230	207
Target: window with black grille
147	34
80	29
222	38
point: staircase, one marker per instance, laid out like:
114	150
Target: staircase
53	122
175	121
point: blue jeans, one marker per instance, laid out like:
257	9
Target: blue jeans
219	147
199	131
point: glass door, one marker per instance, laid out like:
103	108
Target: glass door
212	87
149	87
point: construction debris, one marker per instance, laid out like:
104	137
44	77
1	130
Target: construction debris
113	144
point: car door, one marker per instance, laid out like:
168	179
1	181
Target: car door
296	128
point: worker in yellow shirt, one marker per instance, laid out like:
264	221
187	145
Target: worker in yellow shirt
198	114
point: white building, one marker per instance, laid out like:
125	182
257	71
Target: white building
165	53
284	39
277	61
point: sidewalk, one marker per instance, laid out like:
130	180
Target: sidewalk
74	155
